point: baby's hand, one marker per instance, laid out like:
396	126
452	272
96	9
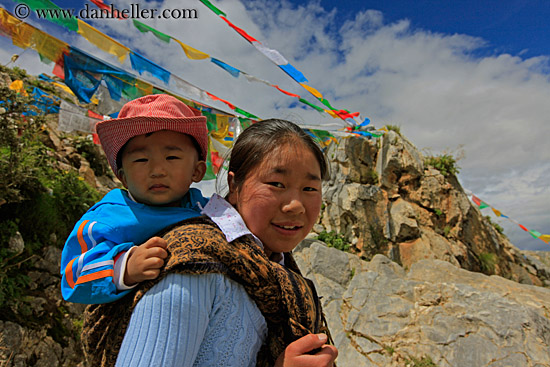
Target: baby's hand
298	353
145	261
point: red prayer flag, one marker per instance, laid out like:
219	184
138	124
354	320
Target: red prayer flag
522	227
95	115
221	100
58	69
240	31
287	93
476	200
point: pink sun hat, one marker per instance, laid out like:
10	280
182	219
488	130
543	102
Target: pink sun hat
149	114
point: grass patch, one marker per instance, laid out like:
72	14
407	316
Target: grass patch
444	163
333	239
423	362
487	262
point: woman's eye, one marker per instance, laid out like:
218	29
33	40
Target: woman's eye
276	184
310	189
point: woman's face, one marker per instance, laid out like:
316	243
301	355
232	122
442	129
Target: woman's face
280	199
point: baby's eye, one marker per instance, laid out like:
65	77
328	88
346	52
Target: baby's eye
276	184
310	189
140	160
172	157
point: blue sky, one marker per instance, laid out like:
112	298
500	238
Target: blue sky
463	77
510	26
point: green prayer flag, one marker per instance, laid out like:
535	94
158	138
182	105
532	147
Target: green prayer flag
209	175
245	122
44	59
53	13
535	234
311	105
322	134
213	8
144	28
483	205
247	114
327	103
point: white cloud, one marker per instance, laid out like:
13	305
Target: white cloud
433	85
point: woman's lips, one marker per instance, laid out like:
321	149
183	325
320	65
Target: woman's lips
287	229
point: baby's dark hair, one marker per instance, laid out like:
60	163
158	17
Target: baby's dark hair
256	141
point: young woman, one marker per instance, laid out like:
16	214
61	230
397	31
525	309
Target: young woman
230	293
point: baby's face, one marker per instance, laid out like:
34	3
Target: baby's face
158	168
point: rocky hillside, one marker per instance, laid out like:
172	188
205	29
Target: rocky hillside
408	291
384	199
433	314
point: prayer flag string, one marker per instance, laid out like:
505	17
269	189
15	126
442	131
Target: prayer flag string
535	234
194	54
278	59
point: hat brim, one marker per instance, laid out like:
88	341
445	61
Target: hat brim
114	134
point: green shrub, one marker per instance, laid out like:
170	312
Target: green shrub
36	199
87	149
424	362
335	240
487	261
444	163
372	177
395	128
495	225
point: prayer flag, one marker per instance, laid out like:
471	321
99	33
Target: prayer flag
60	16
311	105
141	64
293	73
535	234
271	54
522	227
212	7
192	53
230	69
239	31
287	93
545	238
144	28
312	90
102	41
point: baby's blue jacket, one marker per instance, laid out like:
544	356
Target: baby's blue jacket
111	226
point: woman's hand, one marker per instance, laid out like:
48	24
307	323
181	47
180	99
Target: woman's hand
296	354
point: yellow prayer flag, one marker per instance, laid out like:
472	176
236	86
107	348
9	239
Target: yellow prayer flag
192	53
313	91
102	41
222	127
332	114
545	238
48	46
64	87
497	212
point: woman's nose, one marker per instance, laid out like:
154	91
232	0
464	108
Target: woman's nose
294	205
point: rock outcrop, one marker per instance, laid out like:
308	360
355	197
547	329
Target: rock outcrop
385	200
434	314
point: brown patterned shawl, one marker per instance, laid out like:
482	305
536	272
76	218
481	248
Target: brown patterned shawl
287	300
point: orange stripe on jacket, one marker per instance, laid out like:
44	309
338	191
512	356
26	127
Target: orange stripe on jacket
69	273
100	274
83	245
